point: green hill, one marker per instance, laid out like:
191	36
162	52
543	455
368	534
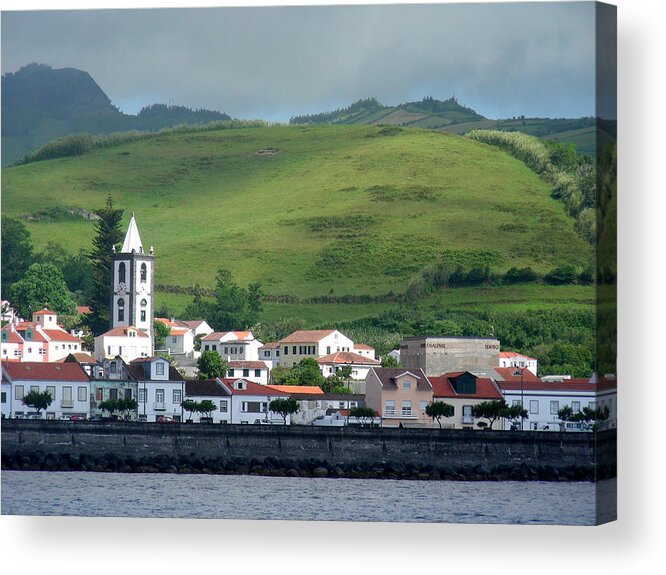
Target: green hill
428	113
40	104
307	211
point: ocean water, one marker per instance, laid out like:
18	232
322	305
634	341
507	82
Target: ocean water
256	497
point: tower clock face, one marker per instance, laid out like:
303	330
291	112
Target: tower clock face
122	289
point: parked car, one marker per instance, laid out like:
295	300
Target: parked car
165	419
77	417
34	416
263	422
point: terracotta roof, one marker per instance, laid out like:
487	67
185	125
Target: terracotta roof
83	309
122	332
179	330
387	376
58	335
12	336
272	344
348	357
214	336
32	370
205	387
443	387
307	335
242	335
44	311
363	346
247	365
250	388
37	334
309	390
509	374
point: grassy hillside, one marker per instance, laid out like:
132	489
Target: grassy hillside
307	210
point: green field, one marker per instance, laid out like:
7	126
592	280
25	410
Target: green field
327	210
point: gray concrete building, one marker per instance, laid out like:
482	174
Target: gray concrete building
436	355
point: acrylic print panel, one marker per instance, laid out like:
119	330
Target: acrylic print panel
342	262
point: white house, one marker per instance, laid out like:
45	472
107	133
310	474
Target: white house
256	371
311	402
160	388
180	340
66	383
513	359
232	345
238	401
364	350
359	364
269	353
198	327
543	399
312	343
129	343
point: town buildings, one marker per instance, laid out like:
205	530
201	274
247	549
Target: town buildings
513	359
313	344
359	365
232	345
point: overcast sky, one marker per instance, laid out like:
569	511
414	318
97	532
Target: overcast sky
502	60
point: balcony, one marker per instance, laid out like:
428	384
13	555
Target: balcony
159	406
402	415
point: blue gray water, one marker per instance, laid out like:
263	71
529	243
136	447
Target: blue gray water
255	497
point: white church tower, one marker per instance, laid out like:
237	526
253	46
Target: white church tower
132	295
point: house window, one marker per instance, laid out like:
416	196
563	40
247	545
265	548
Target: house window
534	406
206	348
29	350
121	309
592	404
267	353
42	351
328	350
246	373
144	273
113	394
67	397
121	272
34	389
159	396
286	350
177	396
575	406
174	339
159	368
50	389
406	384
422	405
4	397
128	394
142	396
226	350
18	392
99	394
257	373
223	405
406	407
389	408
554	407
112	367
82	393
467	416
293	350
214	347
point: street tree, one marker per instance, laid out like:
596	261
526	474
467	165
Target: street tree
514	414
363	414
206	407
161	331
490	410
284	407
439	409
42	286
191	406
38	400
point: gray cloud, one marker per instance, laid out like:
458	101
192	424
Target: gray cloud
501	59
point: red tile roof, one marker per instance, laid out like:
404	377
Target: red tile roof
44	311
509	374
307	335
272	344
12	336
348	357
297	389
122	331
58	335
83	309
34	371
250	388
514	354
213	336
485	387
363	346
538	385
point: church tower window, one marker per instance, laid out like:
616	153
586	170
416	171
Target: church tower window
121	272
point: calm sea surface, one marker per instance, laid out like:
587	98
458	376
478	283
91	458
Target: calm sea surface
254	497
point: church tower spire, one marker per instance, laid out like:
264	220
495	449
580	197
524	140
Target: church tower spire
132	289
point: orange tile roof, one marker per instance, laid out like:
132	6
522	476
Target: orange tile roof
12	336
348	357
298	389
44	311
507	374
307	335
58	335
83	309
122	331
363	346
514	354
32	370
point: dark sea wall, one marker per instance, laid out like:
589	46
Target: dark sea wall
307	451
